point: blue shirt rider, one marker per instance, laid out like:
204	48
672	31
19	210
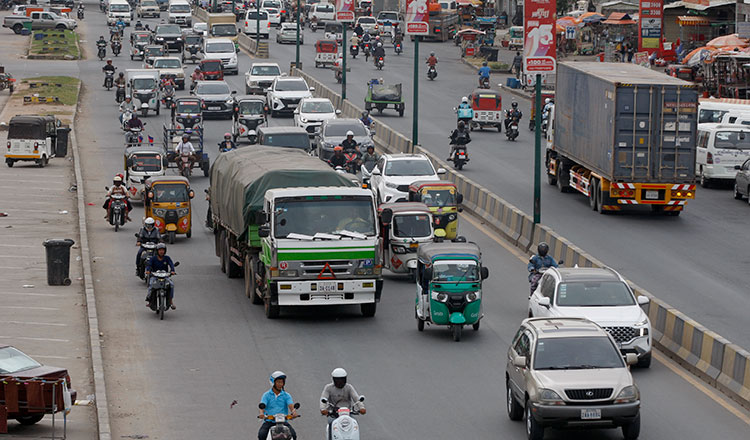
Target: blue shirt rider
540	261
366	119
484	73
276	401
227	144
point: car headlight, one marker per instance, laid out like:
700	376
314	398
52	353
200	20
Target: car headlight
253	83
397	248
550	397
182	212
233	59
451	217
391	185
472	296
179	39
230	100
440	296
160	212
159	38
302	120
627	395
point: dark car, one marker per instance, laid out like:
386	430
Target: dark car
212	69
742	182
32	401
217	98
170	35
333	132
290	137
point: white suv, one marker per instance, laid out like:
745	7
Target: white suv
312	112
394	173
260	77
285	94
601	295
224	50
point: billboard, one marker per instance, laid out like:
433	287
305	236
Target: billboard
650	22
345	10
417	17
539	45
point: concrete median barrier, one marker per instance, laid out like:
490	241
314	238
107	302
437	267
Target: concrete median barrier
705	353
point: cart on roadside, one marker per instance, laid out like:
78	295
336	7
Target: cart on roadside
382	96
6	80
173	136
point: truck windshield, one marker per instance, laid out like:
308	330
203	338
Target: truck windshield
170	192
13	361
143	84
289	140
312	215
119	8
412	225
180	9
219	47
732	140
146	163
566	353
455	271
594	294
224	30
707	115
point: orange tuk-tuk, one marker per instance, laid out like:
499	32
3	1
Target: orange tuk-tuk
545	94
326	53
488	109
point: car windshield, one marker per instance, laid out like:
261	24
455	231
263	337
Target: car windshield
265	71
193	39
200	27
222	47
119	8
146	162
594	294
188	107
388	16
155	50
411	225
317	107
179	8
455	271
341	129
439	197
324	215
367	20
212	89
224	30
143	83
172	63
141	38
170	192
13	361
575	353
251	108
211	66
732	140
409	167
325	8
291	140
253	15
291	86
168	29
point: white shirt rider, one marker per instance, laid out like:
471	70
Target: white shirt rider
184	148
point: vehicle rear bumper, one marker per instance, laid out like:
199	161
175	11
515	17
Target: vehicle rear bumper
570	415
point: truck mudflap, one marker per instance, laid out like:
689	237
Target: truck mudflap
326	292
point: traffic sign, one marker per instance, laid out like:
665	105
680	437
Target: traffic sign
345	16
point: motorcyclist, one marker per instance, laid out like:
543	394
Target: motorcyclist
160	262
109	67
119	189
539	262
185	148
464	110
517	62
276	401
101	41
196	76
459	136
354	41
366	119
349	144
432	60
227	144
398	39
134	122
125	106
138	25
484	72
378	53
358	30
338	159
339	394
147	234
120	80
370	156
512	113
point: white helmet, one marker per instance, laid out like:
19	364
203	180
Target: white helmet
547	100
149	221
464	99
277	375
349	133
338	373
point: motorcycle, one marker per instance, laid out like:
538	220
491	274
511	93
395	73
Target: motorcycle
379	63
367	168
133	136
279	431
120	93
354	50
186	168
512	132
344	426
460	157
314	24
484	83
352	161
109	76
159	290
149	250
536	276
116	47
366	50
397	47
80	12
432	73
102	52
117	210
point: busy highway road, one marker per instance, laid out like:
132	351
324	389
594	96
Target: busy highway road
180	378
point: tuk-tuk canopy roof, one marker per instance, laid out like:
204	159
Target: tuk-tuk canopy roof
166	179
334	26
418	185
32	120
449	249
250	98
401	208
143	149
30	127
326	46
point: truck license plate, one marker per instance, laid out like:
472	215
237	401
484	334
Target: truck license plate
591	414
652	195
214	108
327	286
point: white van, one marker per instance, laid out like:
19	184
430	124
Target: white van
713	109
180	12
719	148
251	23
118	10
325	12
736	117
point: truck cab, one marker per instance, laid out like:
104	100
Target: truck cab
119	10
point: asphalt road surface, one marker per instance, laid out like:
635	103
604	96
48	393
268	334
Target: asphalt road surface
178	378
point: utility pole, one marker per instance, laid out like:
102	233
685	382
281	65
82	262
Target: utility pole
415	113
538	150
296	57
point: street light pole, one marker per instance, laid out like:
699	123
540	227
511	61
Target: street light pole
538	150
296	57
415	114
343	62
257	25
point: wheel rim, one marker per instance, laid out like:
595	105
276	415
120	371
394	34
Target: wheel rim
528	420
510	399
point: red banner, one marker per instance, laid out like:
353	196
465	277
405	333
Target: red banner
539	48
650	25
417	17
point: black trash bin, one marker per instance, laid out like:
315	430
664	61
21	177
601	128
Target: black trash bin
61	147
58	261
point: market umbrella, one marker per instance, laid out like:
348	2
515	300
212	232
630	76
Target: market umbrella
470	31
728	40
568	21
592	17
697	55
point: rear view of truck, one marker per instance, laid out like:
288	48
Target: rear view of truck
623	135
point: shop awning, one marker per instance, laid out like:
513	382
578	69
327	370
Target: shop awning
619	18
689	20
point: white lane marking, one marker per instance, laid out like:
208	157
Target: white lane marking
26	338
30	294
33	323
23	268
21	256
31	308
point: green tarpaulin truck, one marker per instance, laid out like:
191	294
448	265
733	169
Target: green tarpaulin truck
300	233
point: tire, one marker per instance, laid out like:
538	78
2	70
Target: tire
460	165
705	181
632	430
117	225
171	237
30	420
551	179
600	200
420	325
61	27
9	162
233	270
158	108
475	326
593	193
515	410
144	111
189	233
162	306
250	290
222	251
271	311
368	310
456	331
737	194
533	430
17	28
645	361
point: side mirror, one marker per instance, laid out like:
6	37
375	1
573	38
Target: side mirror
106	188
376	172
234	92
262	405
361	398
176	263
191	194
485	273
338	112
129	162
264	231
296	405
631	358
737	167
519	361
386	216
136	235
312	89
150	194
459	198
441	171
324	400
642	299
544	302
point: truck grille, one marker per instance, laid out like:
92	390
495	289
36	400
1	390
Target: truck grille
621	334
315	267
589	394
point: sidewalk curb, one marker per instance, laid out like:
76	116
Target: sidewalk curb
97	364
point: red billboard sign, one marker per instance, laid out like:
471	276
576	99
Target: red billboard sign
344	16
539	48
417	17
650	19
344	10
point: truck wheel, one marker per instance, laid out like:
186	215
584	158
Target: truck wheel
30	420
562	180
249	278
368	310
217	245
223	251
233	270
593	190
551	179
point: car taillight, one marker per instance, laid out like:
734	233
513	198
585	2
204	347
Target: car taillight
710	158
9	145
245	22
36	147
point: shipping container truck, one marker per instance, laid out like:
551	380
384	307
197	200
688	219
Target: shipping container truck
300	233
623	135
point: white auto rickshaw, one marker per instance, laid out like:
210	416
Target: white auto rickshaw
403	228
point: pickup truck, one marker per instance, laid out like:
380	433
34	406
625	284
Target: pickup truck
39	20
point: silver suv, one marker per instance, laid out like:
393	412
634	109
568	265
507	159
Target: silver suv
568	372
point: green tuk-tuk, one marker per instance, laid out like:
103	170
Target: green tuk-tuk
449	285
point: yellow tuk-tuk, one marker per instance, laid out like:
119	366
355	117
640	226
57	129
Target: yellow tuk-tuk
167	201
443	198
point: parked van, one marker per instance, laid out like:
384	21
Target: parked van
251	21
35	138
719	148
180	12
119	10
713	109
736	117
324	12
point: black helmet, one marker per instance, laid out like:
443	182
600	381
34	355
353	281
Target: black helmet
461	125
484	63
514	104
542	249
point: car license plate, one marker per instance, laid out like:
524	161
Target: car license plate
652	195
214	108
327	286
292	105
591	414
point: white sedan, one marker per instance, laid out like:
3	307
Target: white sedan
312	112
394	173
